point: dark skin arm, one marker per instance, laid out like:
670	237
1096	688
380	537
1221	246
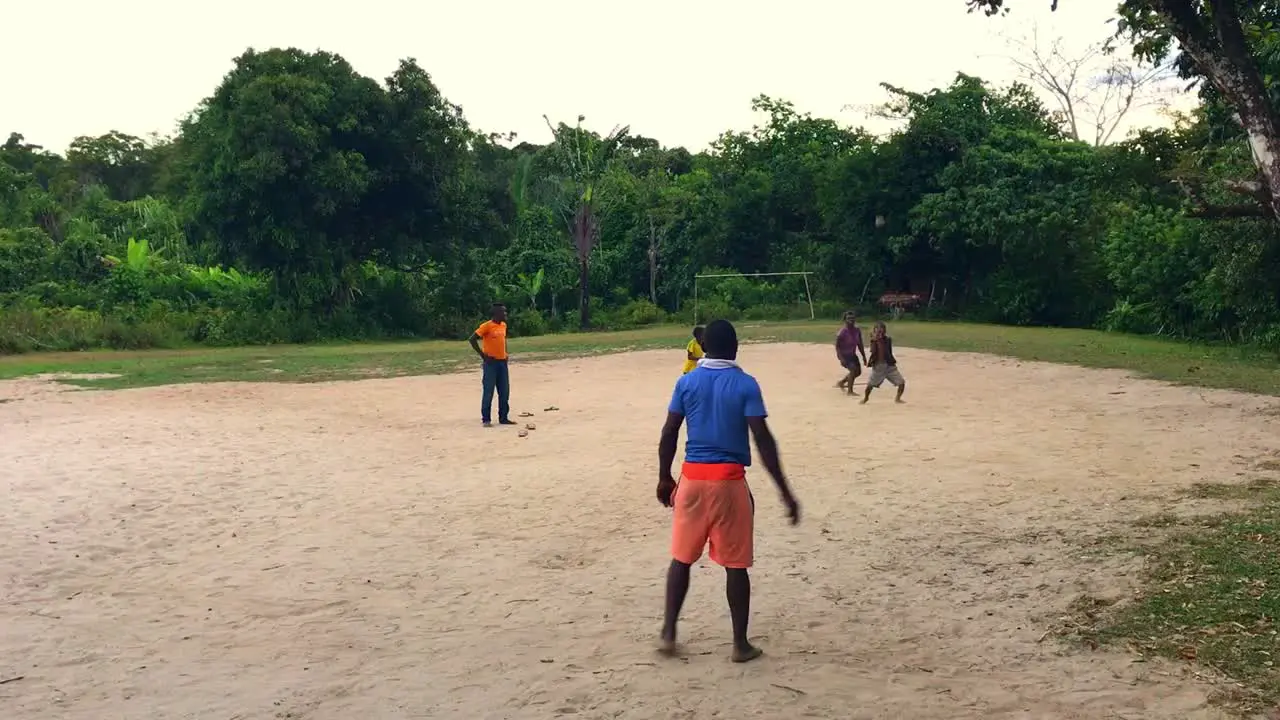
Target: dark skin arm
667	443
768	449
862	349
475	345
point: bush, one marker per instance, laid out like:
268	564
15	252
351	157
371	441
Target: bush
639	313
64	329
216	326
528	323
835	310
712	309
23	256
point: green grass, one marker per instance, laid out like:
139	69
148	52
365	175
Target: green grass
1211	596
1221	367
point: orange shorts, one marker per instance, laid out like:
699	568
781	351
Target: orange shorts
713	505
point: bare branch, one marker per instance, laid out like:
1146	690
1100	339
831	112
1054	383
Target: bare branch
1192	189
1222	212
1092	89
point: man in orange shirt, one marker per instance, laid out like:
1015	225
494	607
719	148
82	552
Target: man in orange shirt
490	343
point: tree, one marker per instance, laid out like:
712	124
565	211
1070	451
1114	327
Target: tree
582	160
1220	41
117	161
1093	89
652	188
301	167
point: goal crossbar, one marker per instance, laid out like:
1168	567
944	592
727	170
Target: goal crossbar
807	292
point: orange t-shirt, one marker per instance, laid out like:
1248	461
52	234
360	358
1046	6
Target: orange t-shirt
493	339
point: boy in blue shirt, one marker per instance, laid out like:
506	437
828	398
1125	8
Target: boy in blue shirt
712	503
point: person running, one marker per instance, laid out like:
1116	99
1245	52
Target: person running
848	347
490	343
883	365
693	351
712	502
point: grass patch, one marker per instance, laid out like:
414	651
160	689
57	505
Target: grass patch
1211	596
1219	367
1261	487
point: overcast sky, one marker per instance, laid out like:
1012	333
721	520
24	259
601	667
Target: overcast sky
681	71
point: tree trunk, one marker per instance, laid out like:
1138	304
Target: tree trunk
653	262
1260	126
1228	63
584	294
585	230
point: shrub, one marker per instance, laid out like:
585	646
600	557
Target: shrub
709	309
63	329
528	323
22	257
639	313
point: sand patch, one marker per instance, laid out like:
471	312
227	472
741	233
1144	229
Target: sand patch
36	386
365	549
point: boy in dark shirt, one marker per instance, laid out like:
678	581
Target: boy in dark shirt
883	365
848	346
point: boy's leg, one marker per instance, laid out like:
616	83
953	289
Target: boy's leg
503	383
732	539
896	378
874	381
677	589
688	538
487	381
738	591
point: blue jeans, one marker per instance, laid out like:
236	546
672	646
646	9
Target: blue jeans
496	377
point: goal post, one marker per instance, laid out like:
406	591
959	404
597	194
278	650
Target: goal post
808	293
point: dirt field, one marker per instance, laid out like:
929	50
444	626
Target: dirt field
366	550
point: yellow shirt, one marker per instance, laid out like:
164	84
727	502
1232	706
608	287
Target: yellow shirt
493	339
693	350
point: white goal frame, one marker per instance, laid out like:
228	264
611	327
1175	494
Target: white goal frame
807	292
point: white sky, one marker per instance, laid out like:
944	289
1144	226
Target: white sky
681	71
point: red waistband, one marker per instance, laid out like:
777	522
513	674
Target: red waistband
713	471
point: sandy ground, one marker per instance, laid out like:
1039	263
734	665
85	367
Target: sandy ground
366	550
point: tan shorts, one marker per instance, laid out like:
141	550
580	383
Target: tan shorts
880	373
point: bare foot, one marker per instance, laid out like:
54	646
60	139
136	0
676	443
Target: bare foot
900	401
746	654
864	401
668	647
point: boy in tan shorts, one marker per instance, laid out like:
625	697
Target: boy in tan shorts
883	365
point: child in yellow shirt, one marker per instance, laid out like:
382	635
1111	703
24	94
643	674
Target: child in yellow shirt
693	351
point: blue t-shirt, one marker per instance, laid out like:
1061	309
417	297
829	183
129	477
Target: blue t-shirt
716	405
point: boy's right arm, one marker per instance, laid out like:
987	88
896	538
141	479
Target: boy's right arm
475	345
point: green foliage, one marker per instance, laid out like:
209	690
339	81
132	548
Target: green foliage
638	313
527	322
302	201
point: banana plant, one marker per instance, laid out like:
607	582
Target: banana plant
138	256
530	285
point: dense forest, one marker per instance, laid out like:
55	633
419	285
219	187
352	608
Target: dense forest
302	201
